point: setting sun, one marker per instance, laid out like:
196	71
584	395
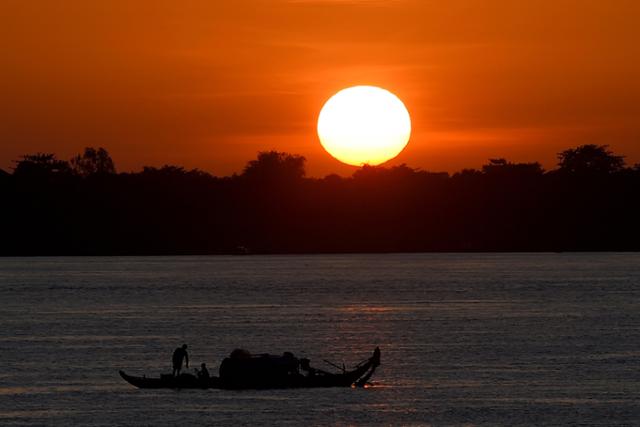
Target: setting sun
364	125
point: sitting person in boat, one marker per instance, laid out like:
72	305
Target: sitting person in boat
305	366
290	363
203	373
179	354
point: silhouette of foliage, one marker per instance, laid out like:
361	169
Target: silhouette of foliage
589	203
273	166
590	159
93	162
40	165
501	168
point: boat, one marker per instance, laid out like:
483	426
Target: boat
241	370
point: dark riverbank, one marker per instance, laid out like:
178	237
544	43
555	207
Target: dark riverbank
590	203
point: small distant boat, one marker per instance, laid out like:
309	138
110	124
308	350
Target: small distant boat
244	371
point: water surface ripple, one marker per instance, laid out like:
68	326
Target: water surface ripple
507	339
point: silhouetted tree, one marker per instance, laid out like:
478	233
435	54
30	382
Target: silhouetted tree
274	166
333	179
495	163
467	174
501	167
590	159
40	165
166	171
400	172
93	162
272	208
170	175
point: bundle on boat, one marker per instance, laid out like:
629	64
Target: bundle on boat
242	370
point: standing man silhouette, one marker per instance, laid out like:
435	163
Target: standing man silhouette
179	354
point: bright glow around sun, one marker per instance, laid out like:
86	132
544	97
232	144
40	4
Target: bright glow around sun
364	125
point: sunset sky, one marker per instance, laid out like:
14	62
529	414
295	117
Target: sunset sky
208	84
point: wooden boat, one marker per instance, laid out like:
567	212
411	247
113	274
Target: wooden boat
169	381
263	372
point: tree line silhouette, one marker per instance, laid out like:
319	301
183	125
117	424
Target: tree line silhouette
83	207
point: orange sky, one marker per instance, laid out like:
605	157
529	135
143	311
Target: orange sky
207	84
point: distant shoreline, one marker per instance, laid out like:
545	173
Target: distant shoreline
52	207
221	254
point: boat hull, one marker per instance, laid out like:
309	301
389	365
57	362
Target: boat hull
168	381
337	380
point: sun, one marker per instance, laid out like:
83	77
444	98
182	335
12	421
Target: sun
364	125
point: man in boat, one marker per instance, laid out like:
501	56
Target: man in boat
203	373
179	354
305	366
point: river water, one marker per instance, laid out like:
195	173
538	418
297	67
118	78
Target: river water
475	339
